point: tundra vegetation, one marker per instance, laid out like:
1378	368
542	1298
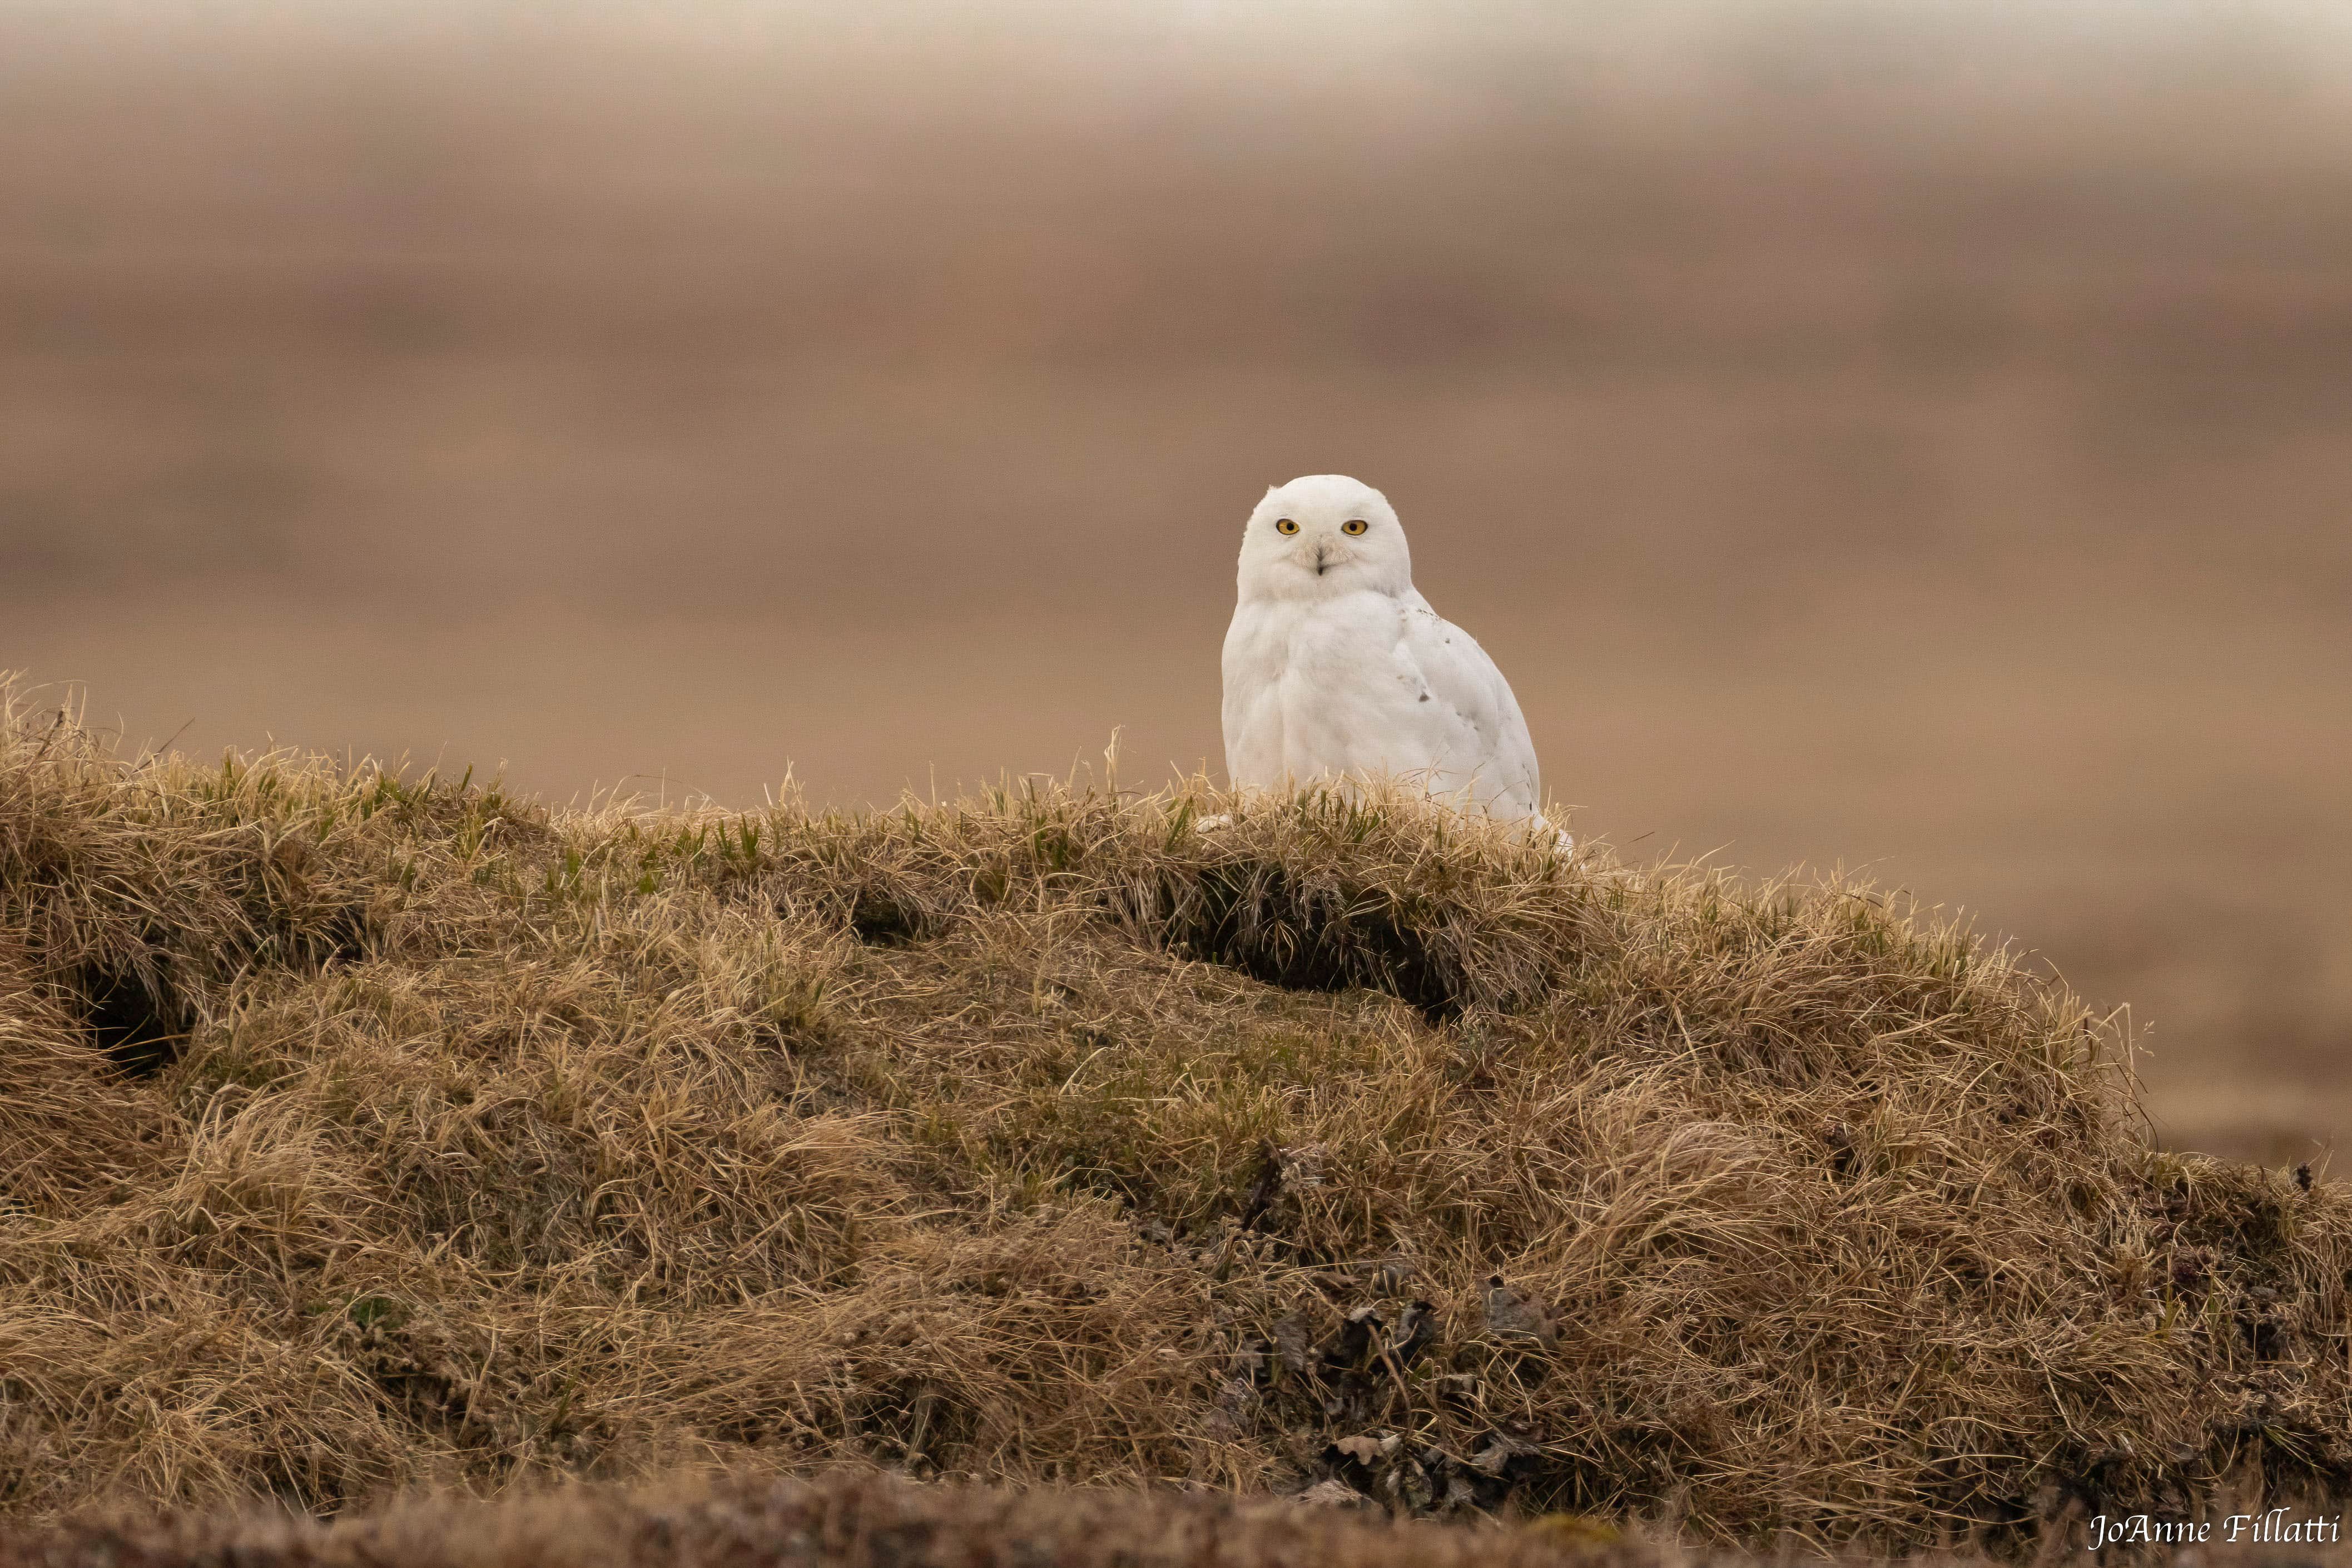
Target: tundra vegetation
368	1132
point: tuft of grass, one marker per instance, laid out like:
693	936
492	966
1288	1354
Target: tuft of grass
1043	1136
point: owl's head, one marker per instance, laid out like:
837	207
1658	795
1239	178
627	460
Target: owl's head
1320	536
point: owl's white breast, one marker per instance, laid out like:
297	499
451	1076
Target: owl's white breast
1326	687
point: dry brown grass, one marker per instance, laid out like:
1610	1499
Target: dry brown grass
841	1521
369	1133
851	1518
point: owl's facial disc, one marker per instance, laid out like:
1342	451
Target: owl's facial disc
1321	536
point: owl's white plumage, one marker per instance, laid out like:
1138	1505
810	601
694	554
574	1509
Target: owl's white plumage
1335	666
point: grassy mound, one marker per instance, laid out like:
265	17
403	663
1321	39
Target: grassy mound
366	1132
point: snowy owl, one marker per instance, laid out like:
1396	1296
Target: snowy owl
1335	665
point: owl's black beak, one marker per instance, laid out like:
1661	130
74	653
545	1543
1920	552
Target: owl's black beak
1322	564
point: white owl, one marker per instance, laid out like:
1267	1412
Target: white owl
1335	665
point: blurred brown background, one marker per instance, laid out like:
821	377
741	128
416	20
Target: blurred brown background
1913	438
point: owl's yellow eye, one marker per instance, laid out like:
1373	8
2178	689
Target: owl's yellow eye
1354	525
1284	525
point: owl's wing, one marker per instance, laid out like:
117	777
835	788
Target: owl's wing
1494	740
1252	756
